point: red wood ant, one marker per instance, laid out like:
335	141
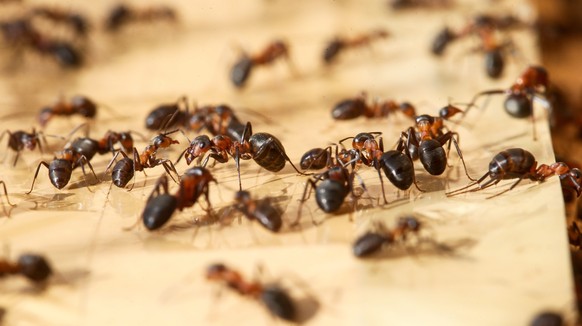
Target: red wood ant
355	107
124	170
265	149
33	267
517	163
161	206
122	15
275	298
80	105
77	21
20	33
19	140
338	44
241	70
532	84
373	241
263	210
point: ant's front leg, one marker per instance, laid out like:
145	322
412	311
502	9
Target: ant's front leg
36	174
450	137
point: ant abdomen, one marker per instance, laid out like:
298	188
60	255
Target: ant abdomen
66	55
34	267
518	106
158	211
60	172
84	106
494	63
266	153
368	243
443	38
511	163
331	51
398	168
278	302
241	71
349	109
122	172
433	157
330	195
314	159
160	116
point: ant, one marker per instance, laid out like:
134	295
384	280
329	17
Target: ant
548	318
33	267
161	206
122	15
124	170
241	70
263	211
19	140
265	149
517	163
373	241
426	141
532	84
275	298
80	105
21	33
494	61
352	108
408	4
338	44
574	235
89	147
77	21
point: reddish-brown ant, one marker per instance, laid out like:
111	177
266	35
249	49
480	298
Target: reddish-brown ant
80	105
265	149
33	267
532	84
21	34
77	21
161	206
124	170
275	298
262	210
122	15
408	4
517	163
338	44
355	107
241	70
20	140
372	241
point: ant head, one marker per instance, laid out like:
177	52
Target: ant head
214	271
242	196
424	121
117	17
361	139
332	50
200	145
66	55
518	105
163	141
408	109
84	106
449	111
442	40
540	76
34	267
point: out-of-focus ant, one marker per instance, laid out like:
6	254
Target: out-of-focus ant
263	210
33	267
122	15
80	105
373	241
275	298
77	21
20	140
21	34
161	206
125	169
426	141
265	149
548	318
409	4
241	70
61	168
532	84
356	107
574	235
517	163
338	44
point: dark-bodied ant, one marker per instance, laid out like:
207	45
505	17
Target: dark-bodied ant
275	298
80	105
315	159
241	70
161	206
372	242
265	149
517	163
338	44
77	21
409	4
125	169
574	235
33	267
356	107
20	140
21	34
89	147
122	15
426	142
61	168
263	210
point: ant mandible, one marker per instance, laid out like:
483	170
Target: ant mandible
241	70
161	206
122	15
373	241
124	169
517	163
338	44
355	107
33	267
80	105
261	210
275	298
19	140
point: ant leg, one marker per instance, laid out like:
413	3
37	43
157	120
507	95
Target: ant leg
471	184
450	137
161	183
83	160
16	158
237	161
478	95
36	175
377	167
169	167
533	119
6	193
306	193
180	157
115	157
510	188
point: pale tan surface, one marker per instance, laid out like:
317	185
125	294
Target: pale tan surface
511	259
